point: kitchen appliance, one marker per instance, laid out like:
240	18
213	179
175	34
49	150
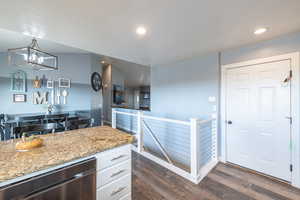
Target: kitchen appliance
74	182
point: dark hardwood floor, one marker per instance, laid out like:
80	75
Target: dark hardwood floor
153	182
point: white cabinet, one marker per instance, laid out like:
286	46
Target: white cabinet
115	190
114	174
113	156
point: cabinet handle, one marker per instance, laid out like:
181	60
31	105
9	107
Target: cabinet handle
116	158
117	191
117	173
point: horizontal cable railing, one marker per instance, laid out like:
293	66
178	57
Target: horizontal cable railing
188	148
173	135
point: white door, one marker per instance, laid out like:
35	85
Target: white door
257	111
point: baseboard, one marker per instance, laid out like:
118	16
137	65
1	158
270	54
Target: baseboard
221	159
107	122
206	169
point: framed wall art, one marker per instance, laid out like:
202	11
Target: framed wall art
50	84
64	83
19	98
19	81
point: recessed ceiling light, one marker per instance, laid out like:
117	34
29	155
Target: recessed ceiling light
260	31
141	30
103	62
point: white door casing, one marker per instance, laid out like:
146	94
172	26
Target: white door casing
255	100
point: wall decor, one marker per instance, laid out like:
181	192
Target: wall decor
64	83
96	81
40	97
37	82
58	96
19	81
50	84
19	98
52	97
44	81
65	94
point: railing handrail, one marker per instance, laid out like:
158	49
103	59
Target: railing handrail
187	123
206	121
125	113
167	120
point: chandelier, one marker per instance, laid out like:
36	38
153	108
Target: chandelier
33	57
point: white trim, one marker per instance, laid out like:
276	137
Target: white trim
295	100
113	118
140	132
105	121
205	121
126	129
295	62
167	120
125	113
206	169
194	138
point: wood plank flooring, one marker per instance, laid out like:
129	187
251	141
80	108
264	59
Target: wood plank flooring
153	182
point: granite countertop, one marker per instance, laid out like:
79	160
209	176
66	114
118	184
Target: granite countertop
58	148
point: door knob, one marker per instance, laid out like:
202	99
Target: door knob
229	122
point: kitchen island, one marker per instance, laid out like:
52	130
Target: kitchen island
62	149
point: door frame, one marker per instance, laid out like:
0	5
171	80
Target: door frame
295	108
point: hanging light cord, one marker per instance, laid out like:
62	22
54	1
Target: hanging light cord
34	44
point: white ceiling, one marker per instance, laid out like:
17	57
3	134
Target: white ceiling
177	28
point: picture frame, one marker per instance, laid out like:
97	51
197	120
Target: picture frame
50	84
19	98
19	81
64	83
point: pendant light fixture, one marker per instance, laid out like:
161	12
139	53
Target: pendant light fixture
33	57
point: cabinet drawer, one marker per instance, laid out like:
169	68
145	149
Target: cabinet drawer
116	189
126	197
113	173
112	157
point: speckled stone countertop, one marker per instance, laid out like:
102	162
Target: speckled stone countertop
58	148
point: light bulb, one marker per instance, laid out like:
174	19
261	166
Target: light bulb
141	30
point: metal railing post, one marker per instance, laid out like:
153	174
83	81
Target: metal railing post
113	118
140	134
194	147
214	134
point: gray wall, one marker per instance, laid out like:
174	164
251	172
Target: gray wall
96	97
181	89
77	67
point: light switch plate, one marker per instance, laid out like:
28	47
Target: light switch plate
214	116
214	108
212	99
